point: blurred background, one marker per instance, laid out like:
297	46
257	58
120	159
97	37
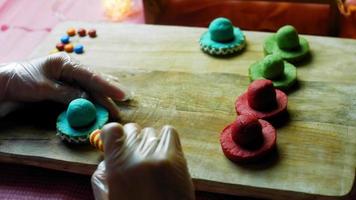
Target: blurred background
25	23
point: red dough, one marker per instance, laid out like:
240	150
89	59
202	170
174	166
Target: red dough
247	139
262	100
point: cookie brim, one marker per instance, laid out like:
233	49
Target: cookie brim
271	47
217	48
242	107
67	132
283	82
236	153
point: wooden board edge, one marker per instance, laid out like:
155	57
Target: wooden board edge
53	164
268	193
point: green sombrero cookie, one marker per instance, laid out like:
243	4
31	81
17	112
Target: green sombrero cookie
272	67
287	44
222	38
80	119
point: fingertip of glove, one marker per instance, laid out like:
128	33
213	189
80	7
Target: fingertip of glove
169	129
112	130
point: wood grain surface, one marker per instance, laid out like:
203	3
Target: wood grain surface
175	83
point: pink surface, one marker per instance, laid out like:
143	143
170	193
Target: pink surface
24	23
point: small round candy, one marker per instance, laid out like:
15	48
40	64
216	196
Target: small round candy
68	48
79	49
60	46
71	32
92	33
95	140
82	32
65	39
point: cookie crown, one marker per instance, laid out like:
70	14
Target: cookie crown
287	38
261	95
81	113
272	66
246	132
221	30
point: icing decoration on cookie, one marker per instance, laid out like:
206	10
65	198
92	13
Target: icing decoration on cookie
80	119
247	139
222	38
262	100
272	67
287	44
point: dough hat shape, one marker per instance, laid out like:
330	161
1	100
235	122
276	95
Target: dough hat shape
262	100
247	139
287	44
272	67
80	119
222	38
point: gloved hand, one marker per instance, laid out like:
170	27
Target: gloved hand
55	77
139	164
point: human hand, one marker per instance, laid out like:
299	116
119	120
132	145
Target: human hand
139	164
58	78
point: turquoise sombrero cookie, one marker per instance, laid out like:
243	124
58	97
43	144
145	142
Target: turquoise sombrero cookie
272	67
287	44
222	38
80	119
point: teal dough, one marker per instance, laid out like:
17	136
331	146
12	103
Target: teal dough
272	67
81	118
287	44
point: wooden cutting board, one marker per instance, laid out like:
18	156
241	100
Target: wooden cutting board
175	83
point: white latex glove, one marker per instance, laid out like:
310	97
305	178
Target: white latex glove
55	77
139	164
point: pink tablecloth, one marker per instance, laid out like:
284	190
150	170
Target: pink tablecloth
24	23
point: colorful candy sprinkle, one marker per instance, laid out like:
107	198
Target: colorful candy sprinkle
65	39
92	33
68	48
82	32
71	32
95	140
79	49
60	46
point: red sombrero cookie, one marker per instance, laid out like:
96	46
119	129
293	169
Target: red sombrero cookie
247	139
262	100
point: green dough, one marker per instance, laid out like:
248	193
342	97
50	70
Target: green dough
287	44
222	38
221	30
80	113
269	67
